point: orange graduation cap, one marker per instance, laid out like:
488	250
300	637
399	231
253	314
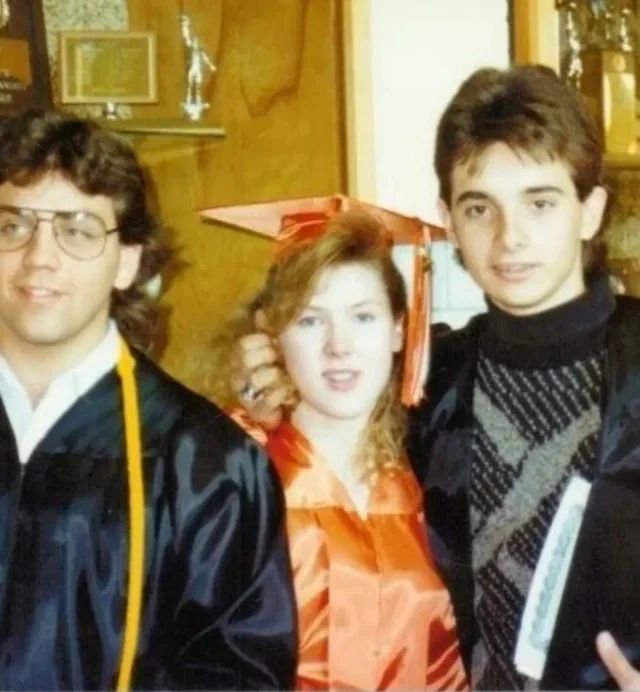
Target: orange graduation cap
296	221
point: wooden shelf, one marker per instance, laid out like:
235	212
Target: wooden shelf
167	127
624	161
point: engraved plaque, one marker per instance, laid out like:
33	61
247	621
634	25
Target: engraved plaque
108	67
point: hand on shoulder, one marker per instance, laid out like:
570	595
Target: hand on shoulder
257	379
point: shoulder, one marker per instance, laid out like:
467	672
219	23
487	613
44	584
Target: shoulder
451	353
190	426
449	384
623	335
626	316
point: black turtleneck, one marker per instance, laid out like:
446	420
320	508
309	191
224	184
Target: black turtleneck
555	337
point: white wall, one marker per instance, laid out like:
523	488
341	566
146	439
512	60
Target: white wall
421	50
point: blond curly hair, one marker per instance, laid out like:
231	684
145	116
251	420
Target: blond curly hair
350	237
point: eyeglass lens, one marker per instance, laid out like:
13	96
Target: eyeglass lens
80	234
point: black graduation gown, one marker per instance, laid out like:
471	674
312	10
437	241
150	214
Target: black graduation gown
603	587
217	610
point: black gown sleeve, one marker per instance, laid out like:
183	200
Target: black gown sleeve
224	582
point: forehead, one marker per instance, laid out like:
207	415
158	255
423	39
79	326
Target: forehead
346	284
54	192
501	170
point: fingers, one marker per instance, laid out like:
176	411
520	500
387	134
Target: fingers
254	351
265	408
259	358
264	378
625	675
253	341
273	398
257	379
250	353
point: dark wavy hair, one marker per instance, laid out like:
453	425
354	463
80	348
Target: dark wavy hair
529	108
98	162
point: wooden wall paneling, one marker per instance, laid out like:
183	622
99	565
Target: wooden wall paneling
278	92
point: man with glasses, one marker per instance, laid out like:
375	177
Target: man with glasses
140	530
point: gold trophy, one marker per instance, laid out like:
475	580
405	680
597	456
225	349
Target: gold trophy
608	80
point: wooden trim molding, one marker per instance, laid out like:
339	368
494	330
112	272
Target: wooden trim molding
536	32
361	177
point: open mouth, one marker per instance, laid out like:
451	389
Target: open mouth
341	380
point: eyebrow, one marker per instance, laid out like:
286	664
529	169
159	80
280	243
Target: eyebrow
473	195
477	195
368	301
544	188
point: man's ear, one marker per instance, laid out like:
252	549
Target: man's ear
398	334
593	207
445	217
128	266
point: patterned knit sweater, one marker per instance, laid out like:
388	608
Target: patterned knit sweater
536	406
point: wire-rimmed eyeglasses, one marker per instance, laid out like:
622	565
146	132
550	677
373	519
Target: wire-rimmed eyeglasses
80	234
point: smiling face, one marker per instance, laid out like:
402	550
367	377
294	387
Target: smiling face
339	350
47	298
519	226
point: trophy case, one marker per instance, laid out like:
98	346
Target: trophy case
595	46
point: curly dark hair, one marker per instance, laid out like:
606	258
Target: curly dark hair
98	162
529	108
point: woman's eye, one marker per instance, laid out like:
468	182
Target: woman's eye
308	321
364	317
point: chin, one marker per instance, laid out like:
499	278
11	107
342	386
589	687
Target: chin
525	298
346	411
40	337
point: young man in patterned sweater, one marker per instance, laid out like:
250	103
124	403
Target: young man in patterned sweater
541	388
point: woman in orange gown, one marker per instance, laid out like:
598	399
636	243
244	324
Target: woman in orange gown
372	611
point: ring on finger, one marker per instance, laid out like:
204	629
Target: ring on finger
249	393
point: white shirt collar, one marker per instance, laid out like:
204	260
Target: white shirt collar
30	425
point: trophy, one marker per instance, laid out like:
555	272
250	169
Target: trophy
573	64
608	79
625	38
601	24
197	63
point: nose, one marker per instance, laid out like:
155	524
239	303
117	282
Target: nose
512	233
42	250
338	341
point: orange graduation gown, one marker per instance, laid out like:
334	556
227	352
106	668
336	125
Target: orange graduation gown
372	611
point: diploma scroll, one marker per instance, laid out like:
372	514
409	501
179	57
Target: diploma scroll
549	579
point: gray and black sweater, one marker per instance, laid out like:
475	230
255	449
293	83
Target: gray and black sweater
536	421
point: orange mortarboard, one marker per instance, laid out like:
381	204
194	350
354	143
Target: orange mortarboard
296	221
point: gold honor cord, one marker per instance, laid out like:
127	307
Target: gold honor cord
132	431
